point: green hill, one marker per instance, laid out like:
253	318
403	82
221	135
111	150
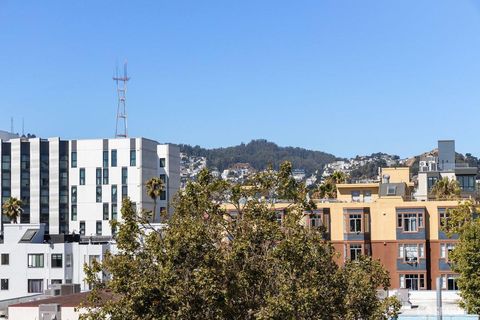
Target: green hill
259	154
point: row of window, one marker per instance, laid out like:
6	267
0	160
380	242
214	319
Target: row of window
34	285
37	260
417	281
113	159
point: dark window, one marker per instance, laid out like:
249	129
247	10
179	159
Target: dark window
355	223
105	175
99	176
162	162
74	212
99	228
57	260
133	158
105	211
82	228
74	194
74	159
114	211
35	260
467	183
114	158
82	176
163	177
35	285
355	251
431	182
124	192
124	175
56	281
4	284
114	193
163	195
5	260
105	158
98	194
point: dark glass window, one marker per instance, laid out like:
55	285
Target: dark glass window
105	211
162	162
124	192
114	158
4	284
355	223
105	175
74	159
99	228
57	260
99	176
74	194
74	212
98	194
114	193
114	211
124	175
105	158
82	227
82	176
5	260
133	158
35	285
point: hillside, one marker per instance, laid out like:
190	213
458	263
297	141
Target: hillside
259	154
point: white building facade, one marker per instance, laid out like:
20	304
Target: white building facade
71	190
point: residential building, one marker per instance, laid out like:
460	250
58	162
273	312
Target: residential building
433	168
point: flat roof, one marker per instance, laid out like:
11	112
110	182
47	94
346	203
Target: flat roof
70	300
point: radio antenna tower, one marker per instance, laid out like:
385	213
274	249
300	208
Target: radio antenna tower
121	82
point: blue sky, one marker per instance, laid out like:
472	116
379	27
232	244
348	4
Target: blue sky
346	77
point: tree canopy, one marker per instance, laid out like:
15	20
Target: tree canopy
214	263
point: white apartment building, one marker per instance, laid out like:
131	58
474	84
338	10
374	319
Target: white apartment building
71	190
77	186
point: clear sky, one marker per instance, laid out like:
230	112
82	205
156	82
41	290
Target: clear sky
345	77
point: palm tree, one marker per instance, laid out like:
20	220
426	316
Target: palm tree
154	187
12	208
446	189
328	189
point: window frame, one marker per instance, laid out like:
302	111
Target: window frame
4	281
2	259
29	281
419	221
403	252
31	263
56	255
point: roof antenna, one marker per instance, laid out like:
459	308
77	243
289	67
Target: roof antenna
23	126
11	125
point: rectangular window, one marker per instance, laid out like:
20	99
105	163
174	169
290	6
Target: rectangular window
105	211
114	211
74	212
163	195
124	192
99	176
163	177
124	175
162	162
114	158
355	251
98	194
82	228
57	260
114	193
133	158
35	260
105	175
315	220
355	196
411	252
82	176
391	190
99	228
68	260
449	282
5	259
410	222
355	223
105	158
412	281
56	281
4	284
35	285
431	182
446	249
74	159
74	194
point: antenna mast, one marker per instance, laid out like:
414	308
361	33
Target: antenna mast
121	83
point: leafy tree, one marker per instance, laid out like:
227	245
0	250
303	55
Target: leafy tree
466	255
12	208
446	189
210	263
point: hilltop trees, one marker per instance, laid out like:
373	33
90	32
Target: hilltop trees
210	263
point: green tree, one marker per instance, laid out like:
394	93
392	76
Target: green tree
466	255
328	189
210	263
154	188
12	208
446	189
